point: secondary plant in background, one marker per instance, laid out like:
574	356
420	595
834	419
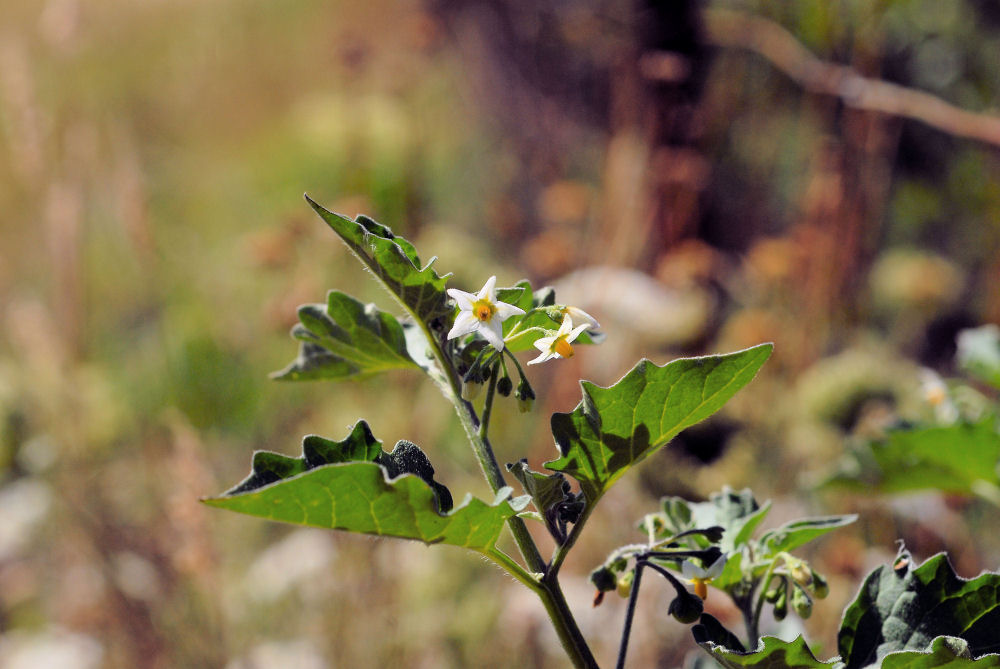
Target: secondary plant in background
466	344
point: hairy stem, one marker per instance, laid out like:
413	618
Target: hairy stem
562	618
544	584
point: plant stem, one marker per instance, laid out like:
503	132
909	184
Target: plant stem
633	596
484	422
532	581
547	588
562	619
452	389
753	622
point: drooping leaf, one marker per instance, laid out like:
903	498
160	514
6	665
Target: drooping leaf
614	428
979	353
354	485
905	607
346	339
949	458
394	261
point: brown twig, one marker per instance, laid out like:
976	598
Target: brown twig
733	29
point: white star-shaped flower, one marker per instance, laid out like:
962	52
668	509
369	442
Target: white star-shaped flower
482	313
558	345
701	577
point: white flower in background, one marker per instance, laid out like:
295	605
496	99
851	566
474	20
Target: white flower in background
580	316
936	394
558	345
482	313
700	577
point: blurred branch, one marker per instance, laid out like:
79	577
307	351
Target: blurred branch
733	29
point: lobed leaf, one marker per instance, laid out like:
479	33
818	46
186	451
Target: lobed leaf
944	652
771	652
905	608
616	427
345	339
394	261
354	485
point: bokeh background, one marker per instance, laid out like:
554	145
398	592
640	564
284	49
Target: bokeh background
656	163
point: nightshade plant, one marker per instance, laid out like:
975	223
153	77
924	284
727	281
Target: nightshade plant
466	344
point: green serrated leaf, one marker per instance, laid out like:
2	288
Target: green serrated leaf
354	485
944	652
614	428
794	534
268	467
771	652
345	339
904	608
394	261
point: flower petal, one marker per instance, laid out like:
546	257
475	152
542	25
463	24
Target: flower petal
489	290
544	344
565	326
580	315
463	298
545	355
465	323
717	567
505	311
691	571
576	332
492	332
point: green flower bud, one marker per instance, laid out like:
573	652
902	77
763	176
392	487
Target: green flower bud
504	386
781	603
801	602
624	585
686	608
801	572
